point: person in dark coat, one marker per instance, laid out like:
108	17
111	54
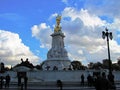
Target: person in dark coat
25	81
7	79
82	80
1	82
111	80
59	84
101	82
90	80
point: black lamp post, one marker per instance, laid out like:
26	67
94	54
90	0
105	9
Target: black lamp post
108	35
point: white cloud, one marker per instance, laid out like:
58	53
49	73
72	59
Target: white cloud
87	36
42	32
65	1
83	31
88	19
53	16
106	7
12	49
116	24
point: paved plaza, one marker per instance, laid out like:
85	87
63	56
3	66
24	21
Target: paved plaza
39	86
36	87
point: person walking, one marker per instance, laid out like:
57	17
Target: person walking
82	80
59	84
7	79
101	82
1	82
90	80
25	82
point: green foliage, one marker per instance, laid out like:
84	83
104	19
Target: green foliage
77	65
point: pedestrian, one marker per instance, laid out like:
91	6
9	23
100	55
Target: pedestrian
19	79
101	83
25	81
59	84
82	80
1	82
111	80
7	79
90	80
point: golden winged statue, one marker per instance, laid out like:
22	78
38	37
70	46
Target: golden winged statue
57	27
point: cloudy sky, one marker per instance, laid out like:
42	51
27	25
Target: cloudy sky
26	26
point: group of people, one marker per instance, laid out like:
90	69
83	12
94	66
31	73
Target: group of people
100	81
5	81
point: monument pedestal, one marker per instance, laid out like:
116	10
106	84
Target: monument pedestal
56	65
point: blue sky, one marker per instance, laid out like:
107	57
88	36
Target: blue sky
26	26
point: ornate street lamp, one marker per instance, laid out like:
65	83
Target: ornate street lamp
108	35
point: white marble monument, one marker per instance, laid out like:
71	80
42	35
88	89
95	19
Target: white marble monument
57	58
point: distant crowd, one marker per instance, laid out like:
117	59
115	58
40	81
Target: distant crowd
5	81
100	81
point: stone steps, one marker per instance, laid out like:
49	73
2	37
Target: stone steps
53	86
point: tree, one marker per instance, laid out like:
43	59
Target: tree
39	67
77	65
2	67
116	67
118	62
97	65
106	64
90	65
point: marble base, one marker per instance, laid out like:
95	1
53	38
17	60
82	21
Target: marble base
56	65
